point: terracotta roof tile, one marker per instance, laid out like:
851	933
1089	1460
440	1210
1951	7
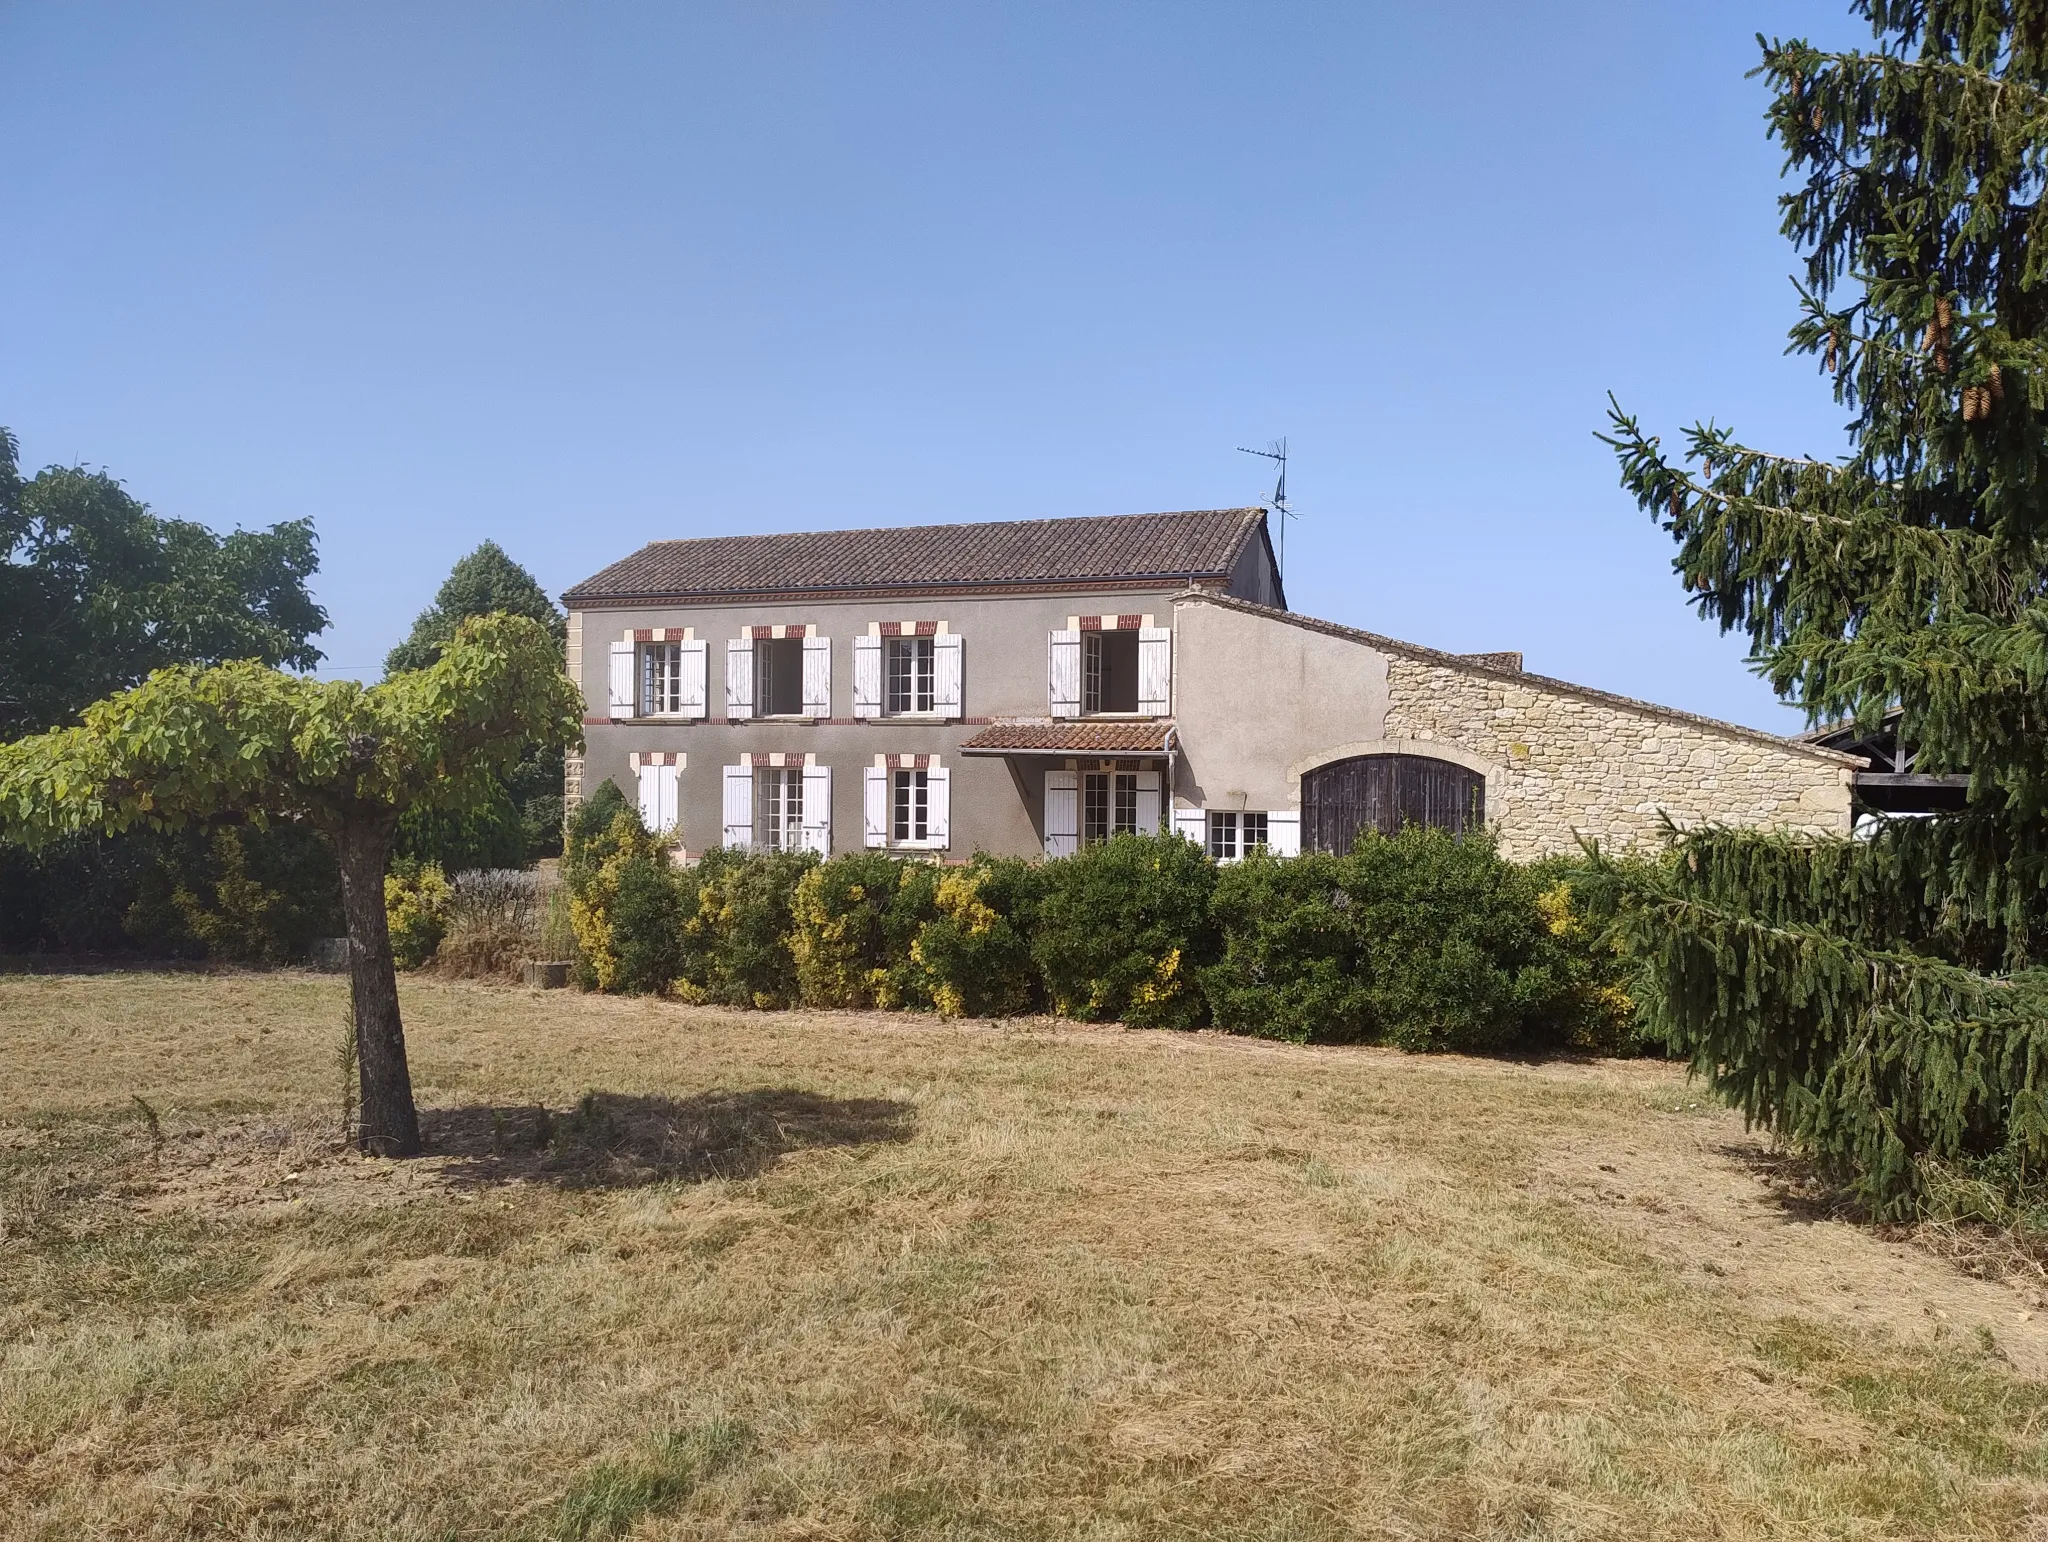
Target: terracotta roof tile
1155	548
1147	738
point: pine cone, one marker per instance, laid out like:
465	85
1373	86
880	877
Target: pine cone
1969	404
1831	353
1997	385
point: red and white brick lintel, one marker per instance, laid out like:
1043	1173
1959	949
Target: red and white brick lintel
661	634
780	630
906	762
906	629
1124	623
641	758
777	759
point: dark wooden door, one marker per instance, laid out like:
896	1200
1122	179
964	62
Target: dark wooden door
1385	792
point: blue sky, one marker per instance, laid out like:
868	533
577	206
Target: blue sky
578	277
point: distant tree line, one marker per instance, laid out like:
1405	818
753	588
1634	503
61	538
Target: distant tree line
96	592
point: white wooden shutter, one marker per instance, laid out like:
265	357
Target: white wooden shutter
1155	670
874	806
1063	674
1194	824
946	671
817	678
1148	802
659	786
1062	812
739	681
817	822
1283	832
650	796
625	690
938	817
867	677
696	677
739	805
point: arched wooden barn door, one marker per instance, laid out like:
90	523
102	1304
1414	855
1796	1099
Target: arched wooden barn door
1385	792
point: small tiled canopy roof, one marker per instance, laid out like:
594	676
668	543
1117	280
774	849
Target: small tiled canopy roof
1070	739
1144	548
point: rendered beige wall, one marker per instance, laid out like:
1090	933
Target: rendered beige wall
1253	695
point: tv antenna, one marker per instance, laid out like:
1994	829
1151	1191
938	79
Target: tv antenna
1276	451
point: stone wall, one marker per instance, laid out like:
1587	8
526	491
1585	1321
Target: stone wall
572	764
1560	762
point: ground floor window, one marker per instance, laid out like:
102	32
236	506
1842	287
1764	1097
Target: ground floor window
911	802
1235	833
779	808
1109	804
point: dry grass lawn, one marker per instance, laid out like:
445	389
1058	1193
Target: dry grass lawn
811	1276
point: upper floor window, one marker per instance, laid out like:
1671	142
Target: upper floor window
1110	666
658	672
778	671
779	677
661	679
1109	672
907	669
913	673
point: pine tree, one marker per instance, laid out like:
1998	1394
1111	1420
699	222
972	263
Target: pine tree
1882	1002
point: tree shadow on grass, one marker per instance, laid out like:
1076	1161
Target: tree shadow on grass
615	1140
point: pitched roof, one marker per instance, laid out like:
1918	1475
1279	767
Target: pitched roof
1483	664
1138	548
1069	739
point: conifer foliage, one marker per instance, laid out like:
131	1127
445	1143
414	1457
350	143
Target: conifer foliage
1882	1002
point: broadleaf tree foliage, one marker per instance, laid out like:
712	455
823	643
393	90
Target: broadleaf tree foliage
96	591
523	818
1883	1001
191	744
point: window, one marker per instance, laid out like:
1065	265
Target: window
910	803
779	677
661	679
1109	671
779	808
1233	834
913	674
1109	805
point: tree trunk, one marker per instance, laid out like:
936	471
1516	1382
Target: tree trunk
390	1125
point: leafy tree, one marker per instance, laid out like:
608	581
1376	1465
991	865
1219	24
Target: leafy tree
191	744
481	584
522	818
1879	1001
96	591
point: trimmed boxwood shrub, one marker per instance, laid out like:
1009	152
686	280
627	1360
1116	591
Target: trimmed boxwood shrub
1294	960
736	941
1123	931
856	921
974	953
1424	940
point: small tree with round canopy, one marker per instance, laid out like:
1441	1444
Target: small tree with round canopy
192	744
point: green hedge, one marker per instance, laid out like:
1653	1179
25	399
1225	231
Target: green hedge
1420	940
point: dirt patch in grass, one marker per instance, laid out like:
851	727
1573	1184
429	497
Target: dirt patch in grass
850	1276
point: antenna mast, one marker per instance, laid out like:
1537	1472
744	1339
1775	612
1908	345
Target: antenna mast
1276	451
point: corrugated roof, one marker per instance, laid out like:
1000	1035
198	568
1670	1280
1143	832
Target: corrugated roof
1142	548
1147	738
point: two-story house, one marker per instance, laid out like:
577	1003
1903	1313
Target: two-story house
1028	686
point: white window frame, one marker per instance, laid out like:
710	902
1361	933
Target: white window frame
779	808
1230	833
914	663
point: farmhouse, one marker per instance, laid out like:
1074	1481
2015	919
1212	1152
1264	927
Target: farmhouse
1027	686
